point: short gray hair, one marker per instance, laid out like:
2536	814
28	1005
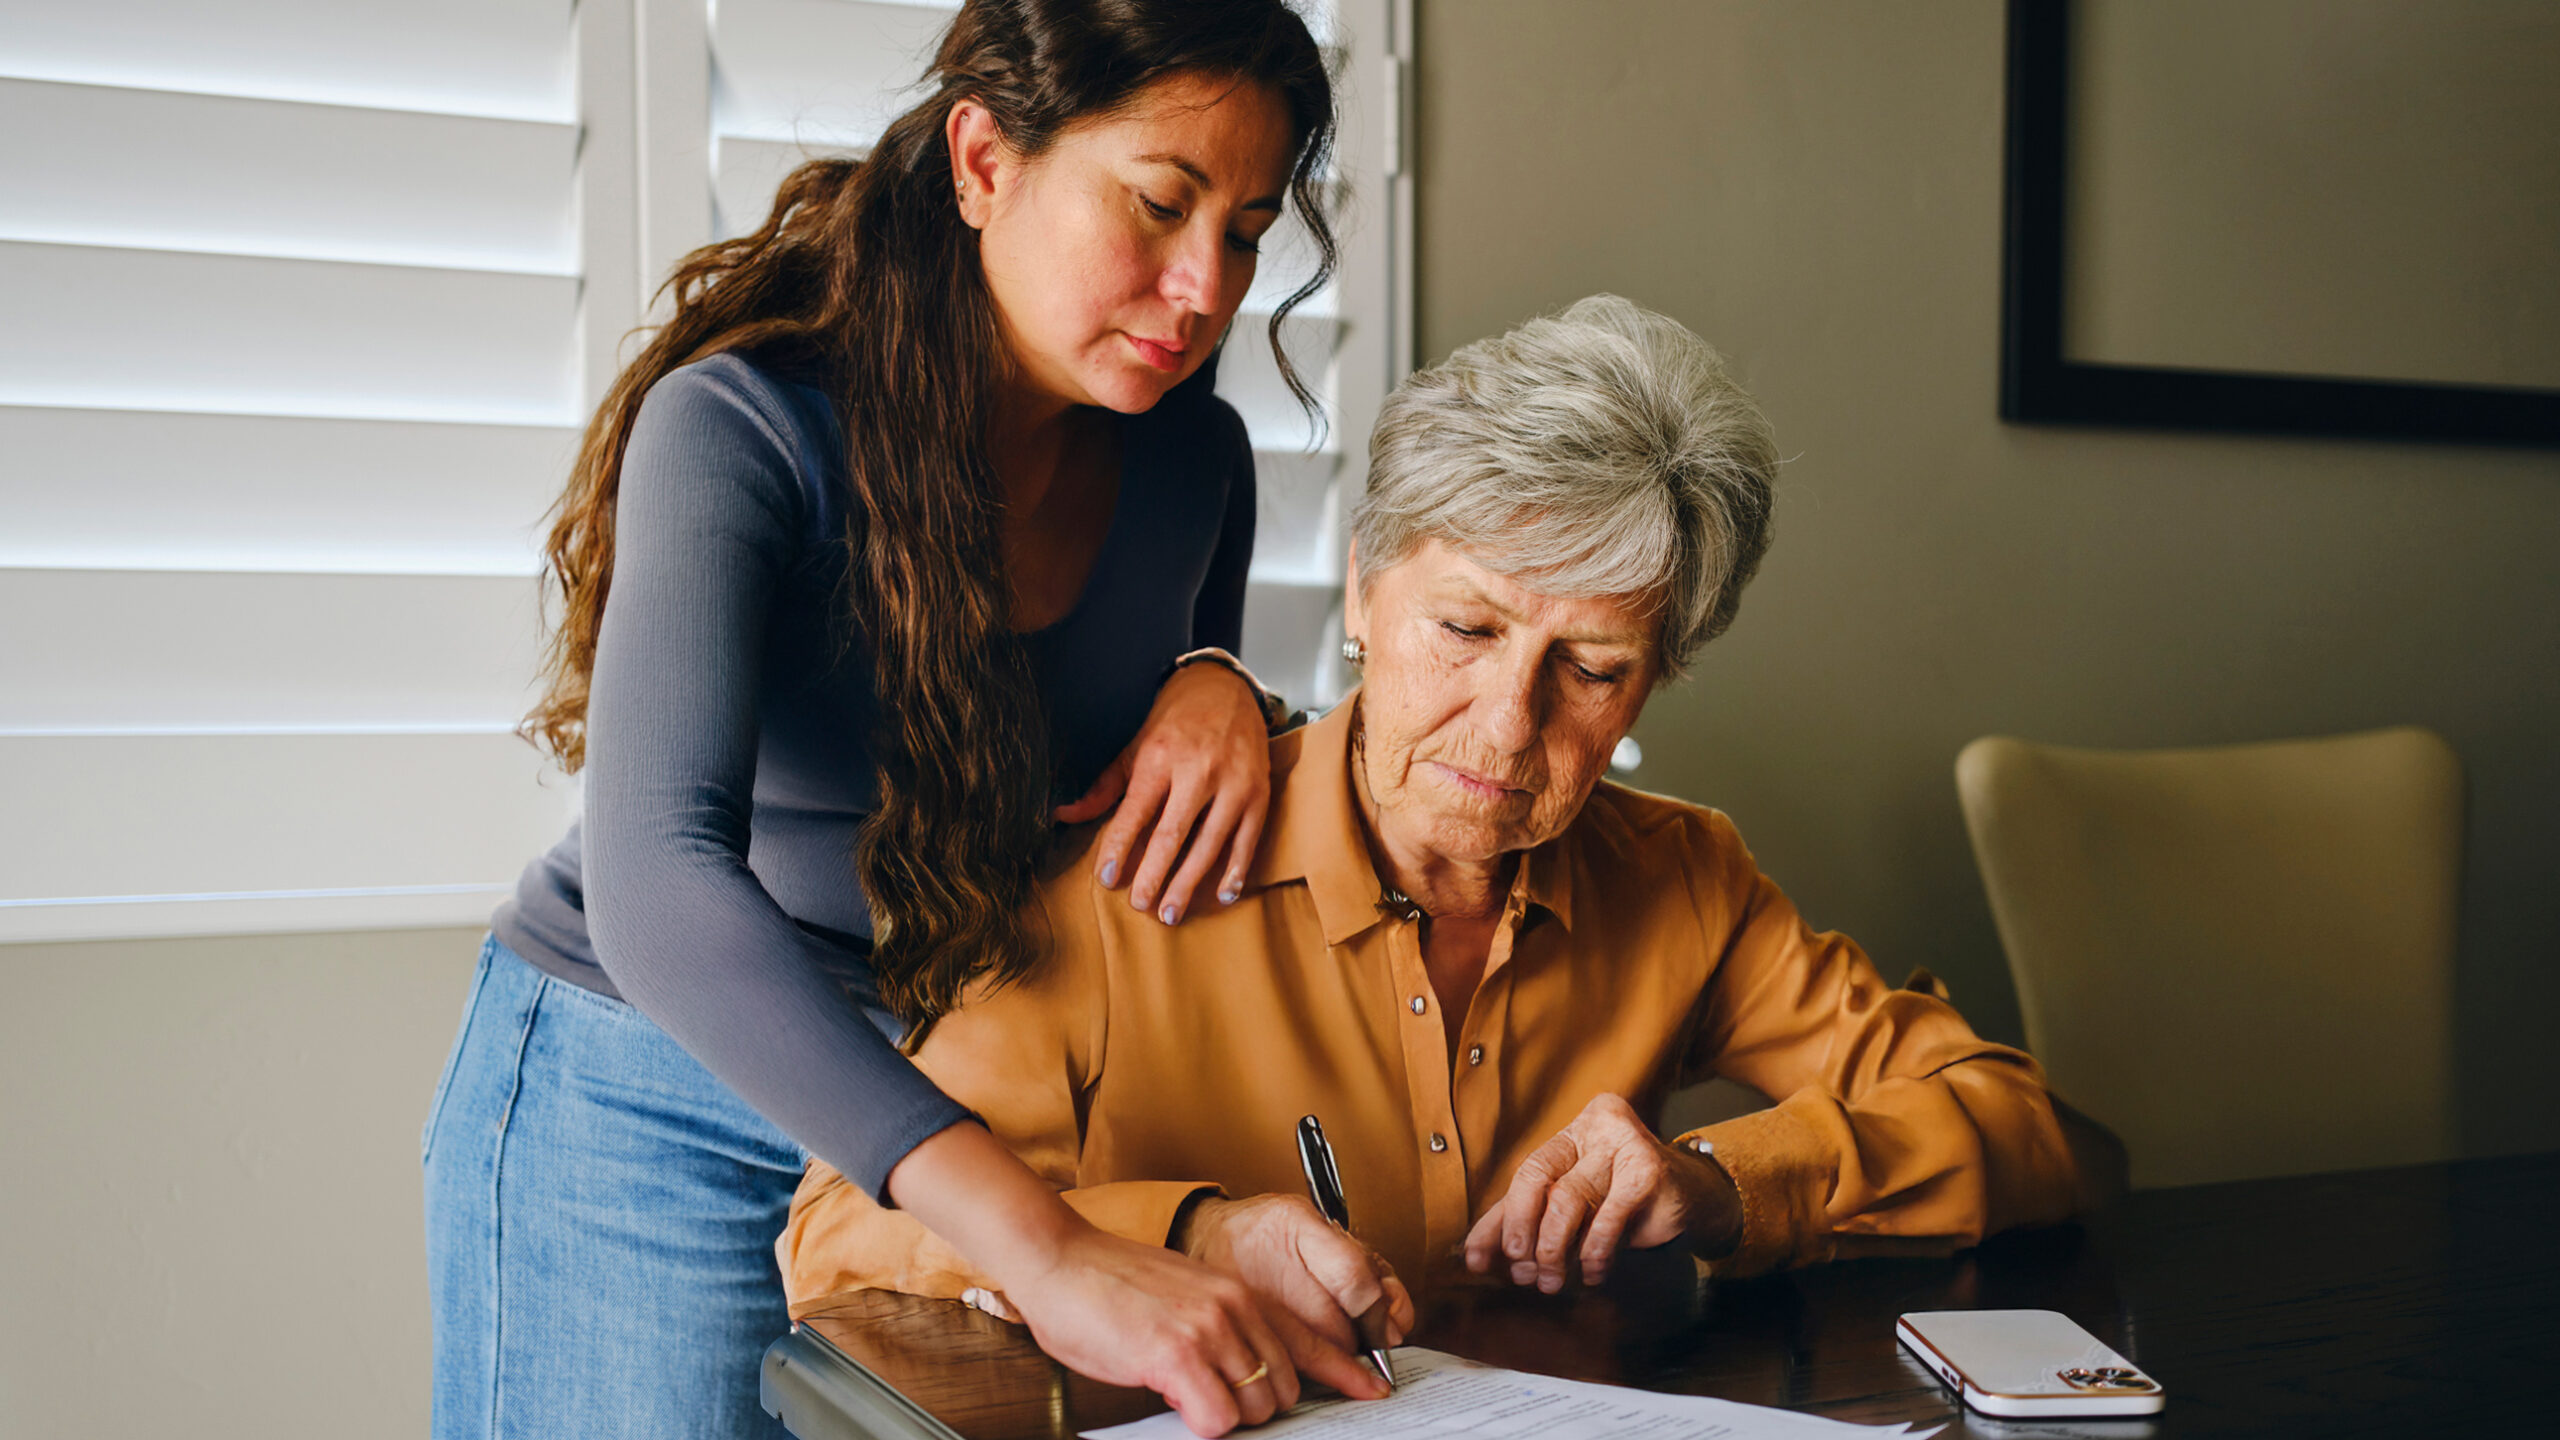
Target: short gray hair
1600	451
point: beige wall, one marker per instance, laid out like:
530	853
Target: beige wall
2236	169
1815	186
209	1198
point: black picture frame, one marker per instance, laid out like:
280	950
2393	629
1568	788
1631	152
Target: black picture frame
2038	384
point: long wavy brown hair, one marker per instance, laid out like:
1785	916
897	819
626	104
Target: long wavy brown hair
865	275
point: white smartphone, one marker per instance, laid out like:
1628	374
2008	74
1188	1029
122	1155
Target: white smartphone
2027	1363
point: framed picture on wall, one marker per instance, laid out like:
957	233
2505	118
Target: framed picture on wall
2329	217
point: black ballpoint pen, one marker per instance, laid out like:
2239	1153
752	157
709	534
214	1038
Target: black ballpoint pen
1324	1184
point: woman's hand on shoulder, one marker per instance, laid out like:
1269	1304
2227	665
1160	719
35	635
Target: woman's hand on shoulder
1194	788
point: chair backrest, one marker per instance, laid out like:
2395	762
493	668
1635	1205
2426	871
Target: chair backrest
2240	957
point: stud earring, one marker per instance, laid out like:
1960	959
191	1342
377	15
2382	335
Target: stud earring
1355	651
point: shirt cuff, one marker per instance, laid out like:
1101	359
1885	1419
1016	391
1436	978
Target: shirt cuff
1140	1210
1782	1168
894	1142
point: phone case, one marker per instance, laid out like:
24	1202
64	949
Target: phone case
2027	1363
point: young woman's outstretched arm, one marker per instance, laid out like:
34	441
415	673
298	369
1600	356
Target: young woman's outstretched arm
711	513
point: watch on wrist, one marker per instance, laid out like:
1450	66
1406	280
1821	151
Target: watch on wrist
1275	711
1705	1149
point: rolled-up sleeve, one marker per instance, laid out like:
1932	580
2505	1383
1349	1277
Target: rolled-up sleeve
1897	1129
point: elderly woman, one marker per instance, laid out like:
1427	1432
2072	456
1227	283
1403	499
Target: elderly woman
1480	964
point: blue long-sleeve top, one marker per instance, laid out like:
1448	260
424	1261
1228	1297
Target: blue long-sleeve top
710	882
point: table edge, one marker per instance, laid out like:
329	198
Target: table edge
807	1381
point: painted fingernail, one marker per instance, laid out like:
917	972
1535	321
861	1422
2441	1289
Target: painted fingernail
1110	873
1229	895
1171	914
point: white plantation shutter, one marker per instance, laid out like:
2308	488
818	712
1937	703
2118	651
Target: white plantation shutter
795	79
302	306
290	364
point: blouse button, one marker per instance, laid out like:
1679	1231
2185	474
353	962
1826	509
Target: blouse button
1417	1005
1439	1142
1475	1054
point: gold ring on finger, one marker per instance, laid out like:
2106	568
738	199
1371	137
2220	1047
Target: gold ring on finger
1260	1372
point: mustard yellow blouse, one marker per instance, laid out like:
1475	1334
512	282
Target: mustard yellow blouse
1641	950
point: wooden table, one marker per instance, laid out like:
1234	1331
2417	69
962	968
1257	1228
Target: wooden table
2419	1301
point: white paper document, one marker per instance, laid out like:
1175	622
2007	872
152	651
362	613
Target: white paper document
1441	1395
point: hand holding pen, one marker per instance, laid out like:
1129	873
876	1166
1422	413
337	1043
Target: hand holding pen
1308	1272
1324	1186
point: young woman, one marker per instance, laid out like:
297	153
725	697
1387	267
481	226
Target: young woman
892	538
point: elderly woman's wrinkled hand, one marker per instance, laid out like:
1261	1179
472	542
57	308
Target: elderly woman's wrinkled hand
1602	1182
1289	1254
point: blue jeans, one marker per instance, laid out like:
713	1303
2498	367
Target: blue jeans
601	1215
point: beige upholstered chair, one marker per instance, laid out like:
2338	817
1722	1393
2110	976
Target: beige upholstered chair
2240	958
